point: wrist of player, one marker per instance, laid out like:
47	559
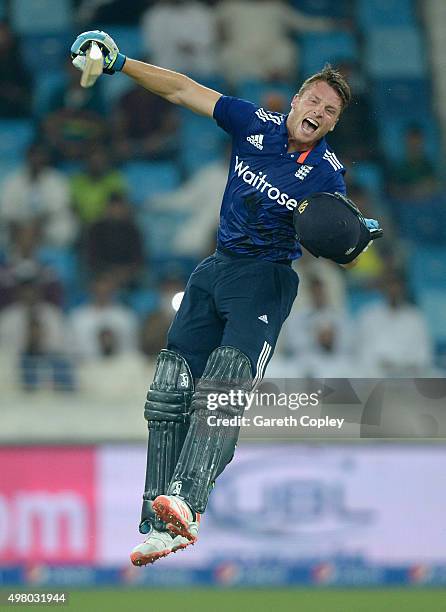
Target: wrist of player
114	64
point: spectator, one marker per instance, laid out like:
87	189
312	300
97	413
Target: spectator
392	338
15	92
39	368
74	125
114	243
103	320
189	28
113	374
195	235
145	126
324	358
22	262
414	178
303	327
153	333
34	332
356	136
91	190
38	192
327	358
256	40
29	301
316	342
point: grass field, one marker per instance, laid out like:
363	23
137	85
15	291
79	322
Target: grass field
289	600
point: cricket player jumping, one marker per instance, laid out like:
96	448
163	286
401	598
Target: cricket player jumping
235	301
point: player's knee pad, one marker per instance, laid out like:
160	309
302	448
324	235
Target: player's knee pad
210	444
167	413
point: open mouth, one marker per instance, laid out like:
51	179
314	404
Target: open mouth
309	125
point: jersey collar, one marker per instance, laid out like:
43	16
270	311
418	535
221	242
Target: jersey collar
311	158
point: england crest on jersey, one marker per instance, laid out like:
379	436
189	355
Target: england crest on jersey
303	172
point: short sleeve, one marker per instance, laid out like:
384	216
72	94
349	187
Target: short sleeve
233	114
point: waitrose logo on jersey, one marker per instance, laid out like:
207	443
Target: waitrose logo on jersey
259	182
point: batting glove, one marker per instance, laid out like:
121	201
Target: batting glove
113	60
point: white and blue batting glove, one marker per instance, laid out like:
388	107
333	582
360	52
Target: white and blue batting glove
113	60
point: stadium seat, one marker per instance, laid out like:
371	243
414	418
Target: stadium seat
7	167
148	178
71	168
15	137
394	52
143	301
52	56
323	8
392	133
65	263
44	88
41	16
169	265
316	48
201	142
116	87
399	103
423	222
427	270
440	354
433	303
408	98
369	176
159	230
373	13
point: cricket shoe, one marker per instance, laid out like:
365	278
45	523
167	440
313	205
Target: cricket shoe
158	544
179	517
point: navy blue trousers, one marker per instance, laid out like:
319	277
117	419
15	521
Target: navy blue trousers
233	301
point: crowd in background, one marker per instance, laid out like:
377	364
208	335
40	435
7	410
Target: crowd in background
92	266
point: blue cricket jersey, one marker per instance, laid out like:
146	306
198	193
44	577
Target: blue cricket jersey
265	183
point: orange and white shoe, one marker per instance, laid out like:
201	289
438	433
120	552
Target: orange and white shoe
157	545
180	519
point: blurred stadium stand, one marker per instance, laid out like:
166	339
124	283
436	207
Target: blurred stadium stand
52	54
334	47
371	14
15	137
394	51
41	16
149	178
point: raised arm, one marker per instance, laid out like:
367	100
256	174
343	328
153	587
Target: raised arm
173	86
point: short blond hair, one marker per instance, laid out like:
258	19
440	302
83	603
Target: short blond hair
334	78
